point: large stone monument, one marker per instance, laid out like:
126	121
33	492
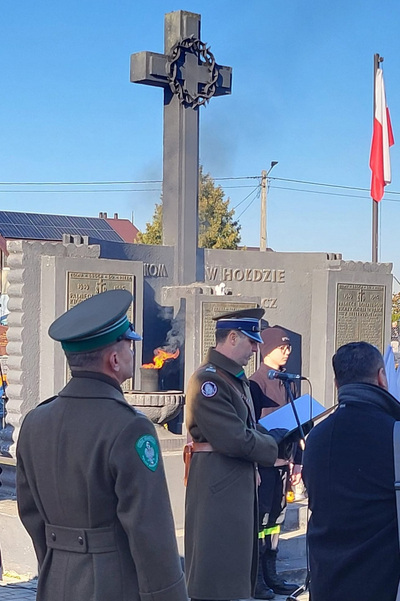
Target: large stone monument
322	299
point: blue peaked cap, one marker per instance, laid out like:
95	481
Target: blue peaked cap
246	321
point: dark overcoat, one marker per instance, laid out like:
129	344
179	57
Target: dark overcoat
95	504
221	502
349	474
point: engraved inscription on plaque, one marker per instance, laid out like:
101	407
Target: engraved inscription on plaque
83	285
210	310
360	314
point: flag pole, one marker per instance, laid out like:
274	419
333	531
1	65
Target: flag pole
375	205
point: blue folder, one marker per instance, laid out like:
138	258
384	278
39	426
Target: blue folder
284	416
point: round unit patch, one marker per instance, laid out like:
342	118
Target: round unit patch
209	389
147	449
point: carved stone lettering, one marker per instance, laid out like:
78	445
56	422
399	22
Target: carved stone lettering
269	303
210	310
211	273
155	270
360	314
249	274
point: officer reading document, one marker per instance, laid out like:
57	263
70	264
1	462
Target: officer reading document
221	501
91	487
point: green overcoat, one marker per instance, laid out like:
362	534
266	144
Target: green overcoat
92	494
221	500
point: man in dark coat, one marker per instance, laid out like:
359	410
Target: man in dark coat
221	499
349	474
268	395
91	488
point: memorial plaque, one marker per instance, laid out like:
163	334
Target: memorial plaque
210	310
360	314
83	285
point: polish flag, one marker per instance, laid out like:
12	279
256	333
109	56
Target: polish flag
382	139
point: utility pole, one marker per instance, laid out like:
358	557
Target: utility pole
263	217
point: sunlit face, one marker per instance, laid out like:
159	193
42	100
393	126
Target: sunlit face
278	357
125	355
244	348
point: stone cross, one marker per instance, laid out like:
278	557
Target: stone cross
190	77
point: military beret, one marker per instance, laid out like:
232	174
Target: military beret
95	322
246	321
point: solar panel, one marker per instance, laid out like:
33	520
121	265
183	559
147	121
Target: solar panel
37	226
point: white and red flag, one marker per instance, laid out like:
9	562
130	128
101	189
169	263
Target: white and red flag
382	139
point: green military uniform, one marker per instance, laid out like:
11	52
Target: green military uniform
91	486
221	500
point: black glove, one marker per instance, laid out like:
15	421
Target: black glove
285	448
278	434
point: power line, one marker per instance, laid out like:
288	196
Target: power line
152	182
250	203
104	191
332	193
105	183
114	182
245	198
78	191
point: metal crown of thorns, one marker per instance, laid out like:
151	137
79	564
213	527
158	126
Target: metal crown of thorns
199	49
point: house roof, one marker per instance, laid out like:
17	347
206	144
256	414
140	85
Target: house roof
36	226
124	228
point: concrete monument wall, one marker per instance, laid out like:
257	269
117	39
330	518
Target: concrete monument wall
326	300
44	280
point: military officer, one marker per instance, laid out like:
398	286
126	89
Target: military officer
221	499
91	486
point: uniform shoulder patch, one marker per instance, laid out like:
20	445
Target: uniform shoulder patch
147	449
209	389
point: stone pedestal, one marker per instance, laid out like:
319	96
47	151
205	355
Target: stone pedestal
160	407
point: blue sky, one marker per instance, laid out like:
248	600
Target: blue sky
302	95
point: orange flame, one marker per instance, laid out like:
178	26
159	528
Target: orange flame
159	358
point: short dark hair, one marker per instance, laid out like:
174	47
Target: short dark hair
357	362
91	359
221	336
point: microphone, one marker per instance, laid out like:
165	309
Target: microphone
285	377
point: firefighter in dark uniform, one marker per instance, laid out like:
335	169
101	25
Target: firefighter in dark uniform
91	487
221	499
268	395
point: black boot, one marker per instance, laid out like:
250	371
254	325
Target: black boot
276	582
262	591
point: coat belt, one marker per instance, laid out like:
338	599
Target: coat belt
202	447
81	540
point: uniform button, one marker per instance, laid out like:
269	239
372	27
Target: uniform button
53	536
80	540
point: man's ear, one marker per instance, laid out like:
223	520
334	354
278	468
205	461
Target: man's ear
233	337
382	379
113	361
336	384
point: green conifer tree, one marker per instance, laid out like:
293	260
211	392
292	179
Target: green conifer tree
217	226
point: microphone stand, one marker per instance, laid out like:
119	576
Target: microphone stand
289	395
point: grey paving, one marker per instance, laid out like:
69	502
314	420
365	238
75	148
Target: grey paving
27	592
24	591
